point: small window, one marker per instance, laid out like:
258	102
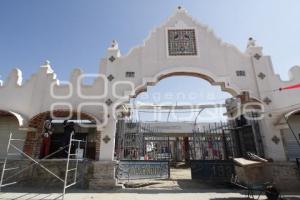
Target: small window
130	74
240	73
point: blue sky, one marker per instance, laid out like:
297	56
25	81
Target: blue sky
76	33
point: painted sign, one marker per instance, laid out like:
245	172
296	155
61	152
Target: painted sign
142	169
212	170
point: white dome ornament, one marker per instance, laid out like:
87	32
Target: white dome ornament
47	62
114	44
251	42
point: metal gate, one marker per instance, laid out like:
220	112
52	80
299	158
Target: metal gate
139	141
143	152
214	147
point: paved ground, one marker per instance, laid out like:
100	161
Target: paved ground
136	194
129	194
179	187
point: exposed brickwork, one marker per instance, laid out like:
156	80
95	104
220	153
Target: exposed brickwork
33	139
4	113
98	142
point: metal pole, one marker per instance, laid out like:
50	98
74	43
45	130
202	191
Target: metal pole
77	159
4	164
33	160
21	171
193	146
67	166
225	144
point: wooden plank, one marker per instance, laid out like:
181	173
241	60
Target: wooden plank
246	163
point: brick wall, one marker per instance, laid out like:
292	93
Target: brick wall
33	140
98	142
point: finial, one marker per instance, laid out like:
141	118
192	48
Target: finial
46	65
113	51
180	9
114	44
251	42
47	62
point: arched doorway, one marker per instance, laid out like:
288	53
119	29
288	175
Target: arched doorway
84	126
9	123
291	135
200	132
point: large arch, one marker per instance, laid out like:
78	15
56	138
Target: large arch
225	86
193	72
211	59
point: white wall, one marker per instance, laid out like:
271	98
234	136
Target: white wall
216	61
292	148
9	124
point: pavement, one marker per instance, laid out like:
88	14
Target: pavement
137	194
178	187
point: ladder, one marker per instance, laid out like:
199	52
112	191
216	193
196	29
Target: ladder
4	169
69	158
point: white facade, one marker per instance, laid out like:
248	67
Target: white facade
10	124
124	76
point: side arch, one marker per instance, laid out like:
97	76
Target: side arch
35	124
22	120
289	125
11	122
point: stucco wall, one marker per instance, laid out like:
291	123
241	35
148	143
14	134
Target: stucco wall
215	61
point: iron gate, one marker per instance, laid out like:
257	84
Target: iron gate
139	141
143	152
214	147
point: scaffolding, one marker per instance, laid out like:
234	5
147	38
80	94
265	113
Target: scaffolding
70	157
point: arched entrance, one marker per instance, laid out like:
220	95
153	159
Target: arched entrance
84	126
162	143
10	122
291	135
189	72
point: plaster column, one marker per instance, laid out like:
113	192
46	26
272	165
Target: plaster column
107	143
262	68
273	144
108	131
104	169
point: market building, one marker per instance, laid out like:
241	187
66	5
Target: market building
180	46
